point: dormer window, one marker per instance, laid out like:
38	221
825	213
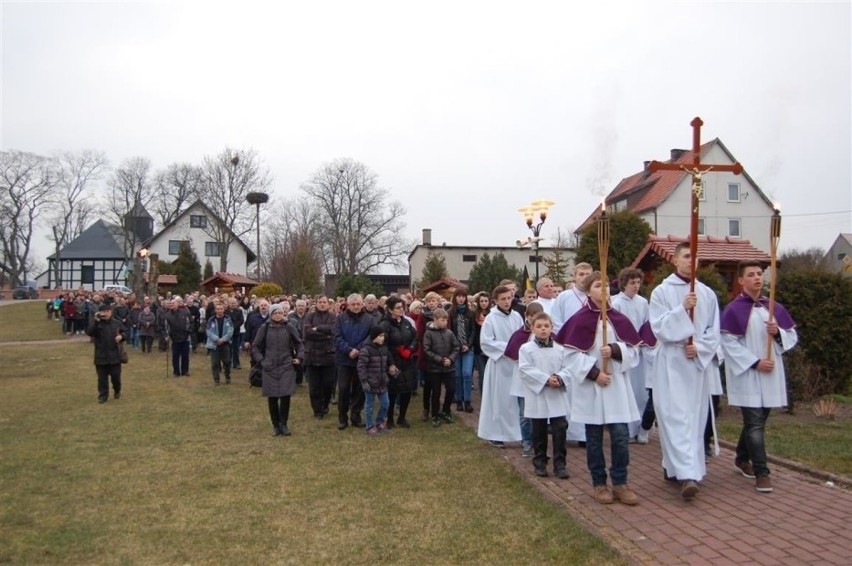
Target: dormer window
197	221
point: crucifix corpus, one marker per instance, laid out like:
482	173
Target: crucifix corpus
697	171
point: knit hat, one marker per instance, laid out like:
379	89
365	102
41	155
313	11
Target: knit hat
275	307
375	331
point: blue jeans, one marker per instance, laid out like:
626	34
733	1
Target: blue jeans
619	438
369	400
526	424
236	346
134	336
752	446
464	377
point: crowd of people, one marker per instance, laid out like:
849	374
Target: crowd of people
553	367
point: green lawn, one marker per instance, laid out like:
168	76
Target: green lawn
179	471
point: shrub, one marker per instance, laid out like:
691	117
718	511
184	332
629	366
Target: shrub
348	284
266	290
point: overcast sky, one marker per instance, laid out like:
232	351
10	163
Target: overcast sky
465	110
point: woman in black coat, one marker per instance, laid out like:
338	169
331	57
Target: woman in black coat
277	348
401	342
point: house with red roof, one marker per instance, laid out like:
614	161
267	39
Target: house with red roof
731	206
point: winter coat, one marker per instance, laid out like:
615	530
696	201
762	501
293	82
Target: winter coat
350	332
237	317
147	324
462	325
133	318
178	323
253	323
401	337
373	368
122	313
213	331
423	320
103	333
437	345
318	334
274	348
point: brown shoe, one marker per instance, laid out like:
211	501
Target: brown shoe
624	494
603	494
763	484
745	469
688	489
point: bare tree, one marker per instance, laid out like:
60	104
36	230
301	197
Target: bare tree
175	188
25	184
129	186
360	230
71	203
292	254
226	179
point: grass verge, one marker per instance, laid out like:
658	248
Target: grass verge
26	321
180	471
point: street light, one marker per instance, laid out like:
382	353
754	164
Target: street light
539	207
257	199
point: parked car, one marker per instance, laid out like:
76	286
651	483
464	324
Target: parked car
21	293
117	289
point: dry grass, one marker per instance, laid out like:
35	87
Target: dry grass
26	321
826	408
179	471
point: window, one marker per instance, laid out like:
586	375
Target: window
470	258
734	228
621	205
197	221
840	257
701	227
87	274
733	192
174	247
212	249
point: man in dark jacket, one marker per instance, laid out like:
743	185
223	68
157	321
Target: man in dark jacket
238	319
178	323
351	330
255	320
107	333
318	328
297	319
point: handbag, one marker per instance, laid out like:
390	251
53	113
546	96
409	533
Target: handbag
122	353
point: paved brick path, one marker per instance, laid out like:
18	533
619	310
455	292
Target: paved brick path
802	522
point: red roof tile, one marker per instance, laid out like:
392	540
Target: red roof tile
710	249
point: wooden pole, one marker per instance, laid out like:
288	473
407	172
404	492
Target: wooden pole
603	252
774	236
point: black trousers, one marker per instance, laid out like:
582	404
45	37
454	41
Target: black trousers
105	373
321	381
708	427
404	399
279	409
220	358
147	343
649	416
349	395
436	380
559	430
752	443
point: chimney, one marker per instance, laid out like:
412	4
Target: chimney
647	169
676	153
427	236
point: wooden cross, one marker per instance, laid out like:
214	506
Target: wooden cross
697	171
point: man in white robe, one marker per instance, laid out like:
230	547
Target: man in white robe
499	414
681	383
756	382
635	307
546	294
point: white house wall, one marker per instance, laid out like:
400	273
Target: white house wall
673	215
181	230
105	272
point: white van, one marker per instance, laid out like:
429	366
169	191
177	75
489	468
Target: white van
117	289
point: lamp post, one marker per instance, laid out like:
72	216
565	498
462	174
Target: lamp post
539	207
257	199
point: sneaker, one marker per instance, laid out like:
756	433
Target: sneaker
745	469
763	484
603	494
562	473
642	437
688	489
541	472
527	451
624	494
436	422
447	418
372	431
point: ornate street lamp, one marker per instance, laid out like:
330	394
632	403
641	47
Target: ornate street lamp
538	207
257	199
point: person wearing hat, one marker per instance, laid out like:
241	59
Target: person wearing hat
277	348
107	333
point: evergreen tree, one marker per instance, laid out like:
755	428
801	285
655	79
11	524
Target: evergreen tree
434	269
487	273
187	270
558	263
208	270
348	284
628	234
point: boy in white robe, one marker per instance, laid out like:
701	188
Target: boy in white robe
546	379
756	383
520	337
681	383
499	415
